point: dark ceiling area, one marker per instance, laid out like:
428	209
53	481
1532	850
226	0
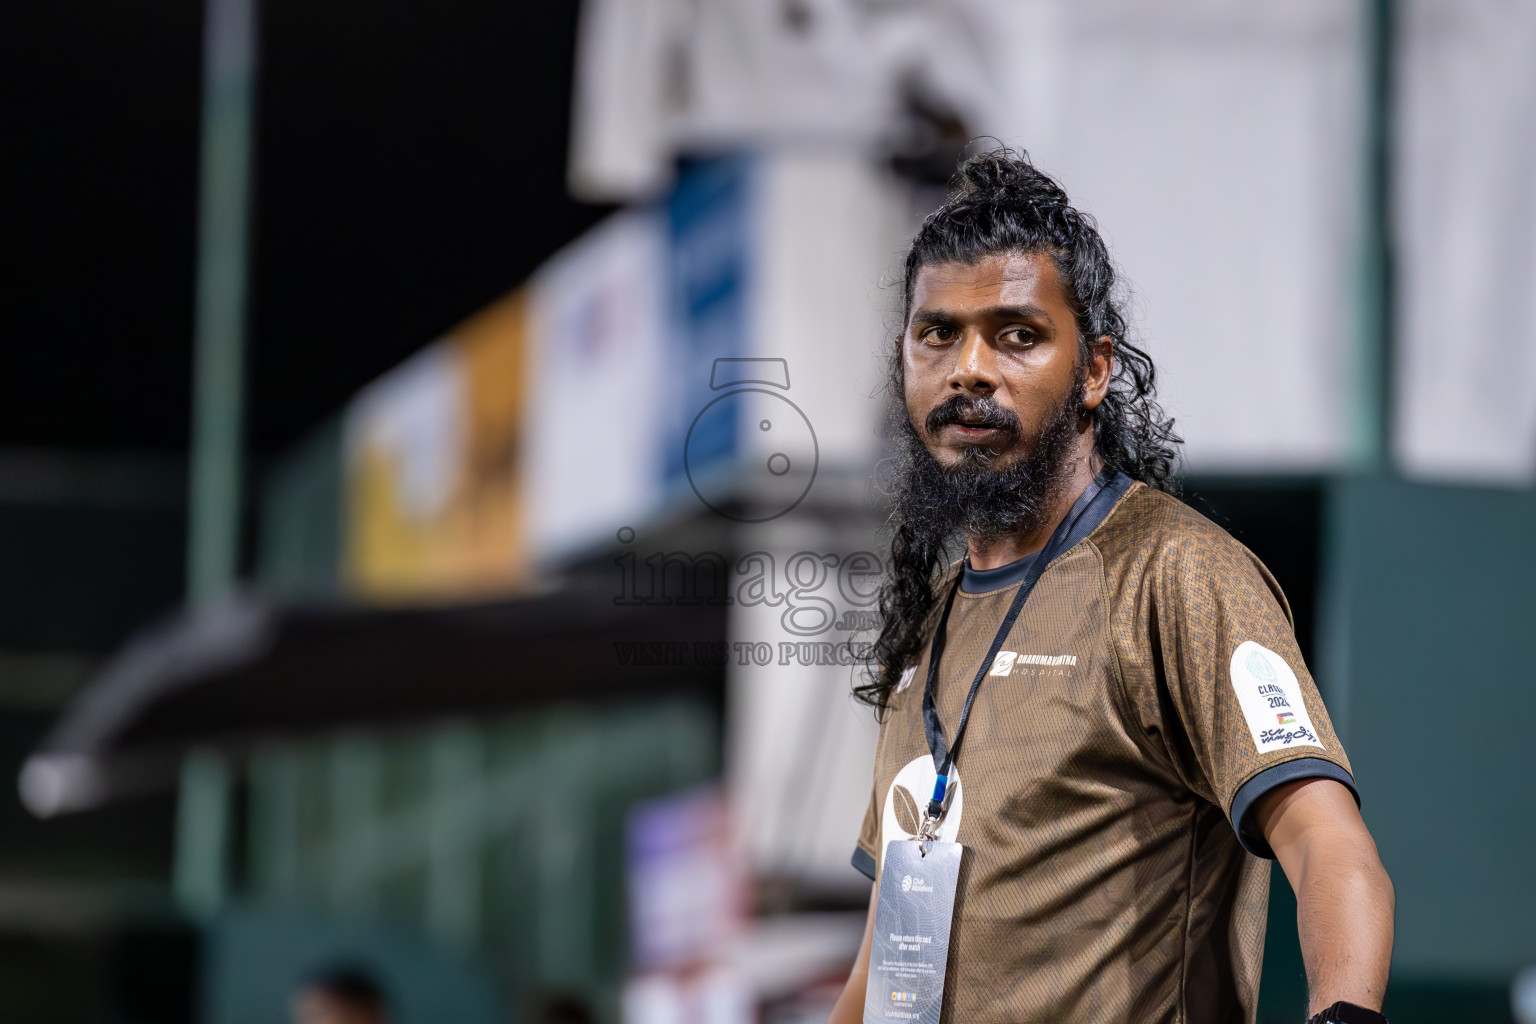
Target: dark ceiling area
99	186
410	168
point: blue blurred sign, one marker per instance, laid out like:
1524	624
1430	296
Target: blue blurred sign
709	272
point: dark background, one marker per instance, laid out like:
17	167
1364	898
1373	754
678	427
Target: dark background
410	167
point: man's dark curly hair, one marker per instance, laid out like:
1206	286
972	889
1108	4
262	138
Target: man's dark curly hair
1001	203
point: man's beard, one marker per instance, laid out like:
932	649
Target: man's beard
975	496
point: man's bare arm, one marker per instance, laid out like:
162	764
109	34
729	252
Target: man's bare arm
1343	895
849	1008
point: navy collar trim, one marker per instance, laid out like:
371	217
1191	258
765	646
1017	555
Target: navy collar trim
979	581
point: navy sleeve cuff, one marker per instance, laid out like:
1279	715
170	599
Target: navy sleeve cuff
1248	795
863	863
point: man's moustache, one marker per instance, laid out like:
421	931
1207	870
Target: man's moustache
972	412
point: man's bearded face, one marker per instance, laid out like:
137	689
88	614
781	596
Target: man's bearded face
994	397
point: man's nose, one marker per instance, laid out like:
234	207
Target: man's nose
975	367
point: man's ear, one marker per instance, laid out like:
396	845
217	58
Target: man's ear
1100	370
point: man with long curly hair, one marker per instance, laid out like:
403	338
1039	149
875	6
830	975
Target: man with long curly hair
1139	730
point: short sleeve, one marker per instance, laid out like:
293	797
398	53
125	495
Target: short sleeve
1248	714
866	858
866	850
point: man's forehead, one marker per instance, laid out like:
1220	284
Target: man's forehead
1007	279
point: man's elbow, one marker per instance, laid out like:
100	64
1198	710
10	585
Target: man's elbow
1383	883
1347	862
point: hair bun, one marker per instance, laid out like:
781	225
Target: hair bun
1006	174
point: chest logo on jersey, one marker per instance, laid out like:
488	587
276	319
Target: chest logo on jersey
1009	663
1271	699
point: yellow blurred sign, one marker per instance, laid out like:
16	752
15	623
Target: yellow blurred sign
433	504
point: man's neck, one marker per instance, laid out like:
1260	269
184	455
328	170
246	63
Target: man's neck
996	552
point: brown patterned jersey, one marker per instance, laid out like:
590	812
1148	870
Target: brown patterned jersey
1149	692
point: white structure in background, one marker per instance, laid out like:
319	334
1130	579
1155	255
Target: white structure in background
827	228
1217	140
1466	221
1219	145
658	77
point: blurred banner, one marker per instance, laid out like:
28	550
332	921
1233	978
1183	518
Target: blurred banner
681	358
432	503
711	233
687	893
1466	220
596	356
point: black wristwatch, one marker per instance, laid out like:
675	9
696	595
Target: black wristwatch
1346	1013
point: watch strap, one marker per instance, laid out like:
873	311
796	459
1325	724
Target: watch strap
1343	1012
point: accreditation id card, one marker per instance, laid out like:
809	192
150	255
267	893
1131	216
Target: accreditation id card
910	949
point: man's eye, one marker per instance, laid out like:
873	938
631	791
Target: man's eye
1019	336
938	335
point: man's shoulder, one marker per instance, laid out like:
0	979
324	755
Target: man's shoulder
1151	528
1155	545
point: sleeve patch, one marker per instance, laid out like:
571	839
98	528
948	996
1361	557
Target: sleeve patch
1271	699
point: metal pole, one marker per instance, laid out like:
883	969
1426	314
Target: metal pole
203	825
1372	411
229	57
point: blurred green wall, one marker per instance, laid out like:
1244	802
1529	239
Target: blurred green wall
1430	620
470	859
1425	633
